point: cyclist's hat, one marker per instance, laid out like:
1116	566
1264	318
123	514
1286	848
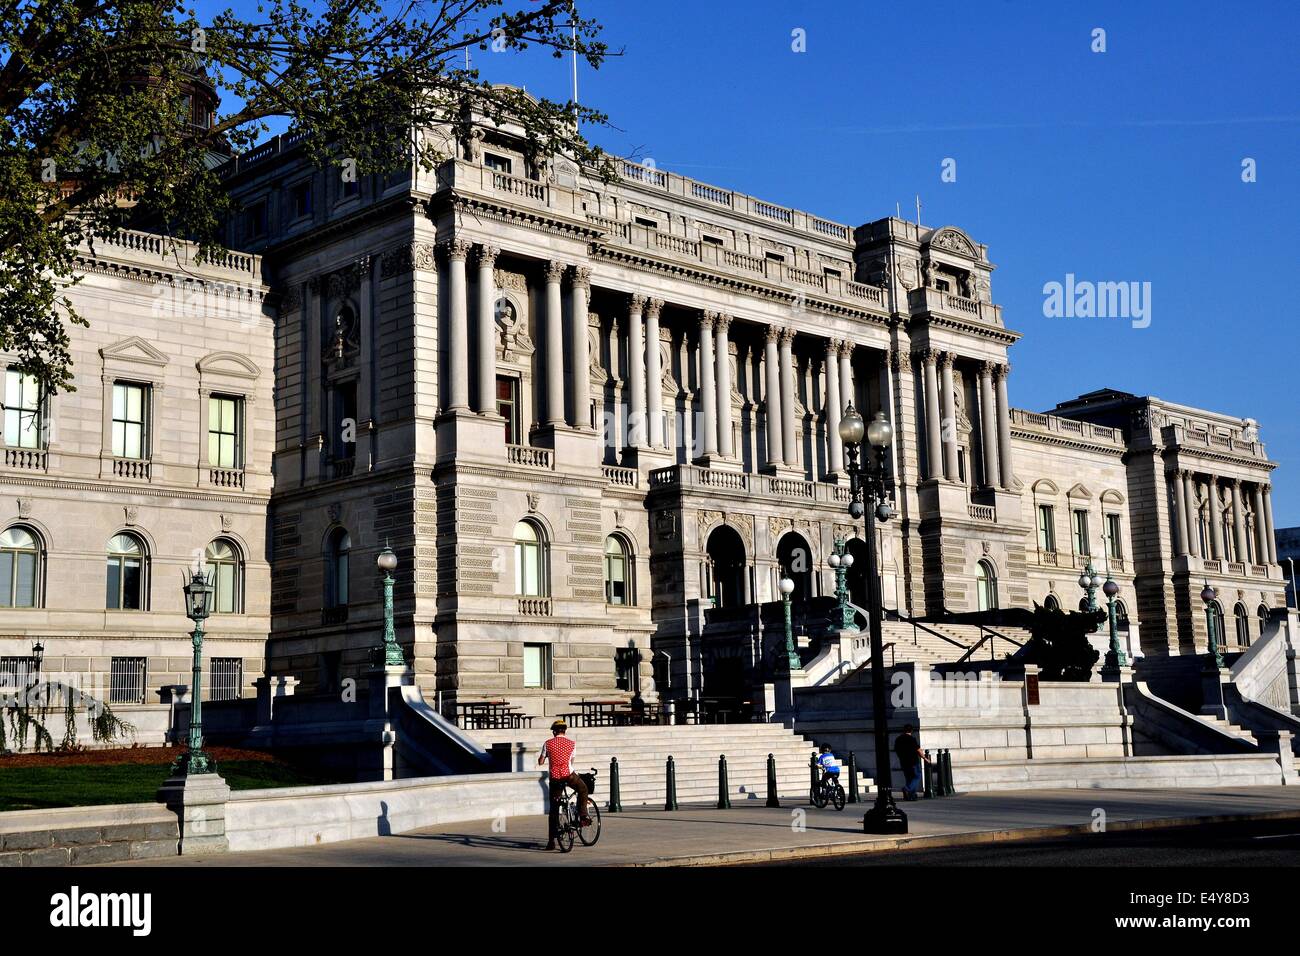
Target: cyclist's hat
559	725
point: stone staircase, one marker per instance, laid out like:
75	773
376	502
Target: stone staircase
1227	728
643	752
926	648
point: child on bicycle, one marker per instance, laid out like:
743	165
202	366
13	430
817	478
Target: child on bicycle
830	768
558	752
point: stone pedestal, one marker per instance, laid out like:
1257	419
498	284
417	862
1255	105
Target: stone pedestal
1116	675
269	691
199	800
783	689
465	436
576	450
719	462
1212	681
647	459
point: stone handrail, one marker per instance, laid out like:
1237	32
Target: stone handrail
226	477
623	477
535	606
26	459
982	512
1056	424
530	457
131	468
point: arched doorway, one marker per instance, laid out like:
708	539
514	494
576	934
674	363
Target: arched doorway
726	567
794	557
1051	603
986	586
857	576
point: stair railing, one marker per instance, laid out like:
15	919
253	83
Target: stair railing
989	636
897	616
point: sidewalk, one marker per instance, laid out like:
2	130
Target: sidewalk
752	833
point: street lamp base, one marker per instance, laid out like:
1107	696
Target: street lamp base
192	762
884	817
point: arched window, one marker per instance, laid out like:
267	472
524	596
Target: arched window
530	561
1121	616
1243	625
124	588
618	572
20	568
336	584
1262	613
226	572
986	583
1216	614
1051	603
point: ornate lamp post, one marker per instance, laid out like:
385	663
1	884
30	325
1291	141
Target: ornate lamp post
791	652
393	655
841	561
38	655
198	604
867	500
1208	595
1090	581
1115	657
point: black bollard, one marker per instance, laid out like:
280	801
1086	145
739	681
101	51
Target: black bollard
670	799
948	788
812	778
772	801
615	804
853	778
927	769
724	797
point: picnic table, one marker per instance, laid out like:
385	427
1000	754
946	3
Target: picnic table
492	715
596	713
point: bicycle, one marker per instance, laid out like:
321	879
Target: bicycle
829	790
570	820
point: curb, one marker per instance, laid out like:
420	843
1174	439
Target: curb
945	840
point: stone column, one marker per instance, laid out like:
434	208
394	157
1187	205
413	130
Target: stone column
708	388
554	344
988	425
457	327
654	373
1188	491
934	463
834	405
1238	522
487	331
1000	374
636	362
581	373
1216	519
1261	526
789	439
847	392
722	357
772	372
1181	533
948	421
1268	524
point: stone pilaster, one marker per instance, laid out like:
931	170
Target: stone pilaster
988	426
789	437
834	405
487	348
654	373
1238	522
1000	374
1193	514
772	371
708	387
1216	520
1183	536
636	366
934	451
554	389
457	251
1268	524
580	374
948	410
722	358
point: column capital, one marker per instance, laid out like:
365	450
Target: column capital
706	321
653	307
846	347
895	360
581	277
946	360
1236	483
456	250
555	270
1266	488
834	347
928	355
773	334
722	322
635	302
487	256
1002	370
787	335
986	368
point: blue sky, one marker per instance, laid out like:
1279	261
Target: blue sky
1117	166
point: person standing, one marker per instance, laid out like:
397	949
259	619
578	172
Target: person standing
910	755
558	752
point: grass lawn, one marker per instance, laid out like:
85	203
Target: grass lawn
62	781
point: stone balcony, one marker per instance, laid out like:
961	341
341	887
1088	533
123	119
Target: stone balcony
1198	441
935	302
712	481
1054	426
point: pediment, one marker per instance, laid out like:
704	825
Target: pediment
952	239
1045	486
134	349
1079	491
228	363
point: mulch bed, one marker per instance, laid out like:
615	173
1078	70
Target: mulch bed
127	755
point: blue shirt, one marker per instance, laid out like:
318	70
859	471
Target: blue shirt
827	763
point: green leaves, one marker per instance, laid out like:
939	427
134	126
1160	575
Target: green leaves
110	118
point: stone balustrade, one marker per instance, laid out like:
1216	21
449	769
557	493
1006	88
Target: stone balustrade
621	477
226	477
137	468
535	606
26	459
530	457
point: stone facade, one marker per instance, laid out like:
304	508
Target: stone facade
582	412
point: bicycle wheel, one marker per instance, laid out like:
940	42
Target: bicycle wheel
590	833
837	795
819	797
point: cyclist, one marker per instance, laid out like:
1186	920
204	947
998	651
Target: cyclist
830	769
558	752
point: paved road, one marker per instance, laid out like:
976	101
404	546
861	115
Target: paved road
752	832
1253	844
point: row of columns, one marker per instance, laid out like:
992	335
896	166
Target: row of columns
941	420
1188	541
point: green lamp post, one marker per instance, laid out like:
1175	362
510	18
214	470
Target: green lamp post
1115	657
198	604
841	561
1090	581
1208	595
393	655
791	652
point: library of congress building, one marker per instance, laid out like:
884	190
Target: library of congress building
596	420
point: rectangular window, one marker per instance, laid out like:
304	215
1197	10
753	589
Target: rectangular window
537	665
508	407
130	420
17	673
942	285
1046	528
225	428
1114	543
500	163
345	421
710	240
255	220
22	410
625	668
831	273
774	257
126	680
648	223
227	678
1082	544
301	198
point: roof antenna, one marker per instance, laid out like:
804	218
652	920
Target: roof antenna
573	26
918	210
